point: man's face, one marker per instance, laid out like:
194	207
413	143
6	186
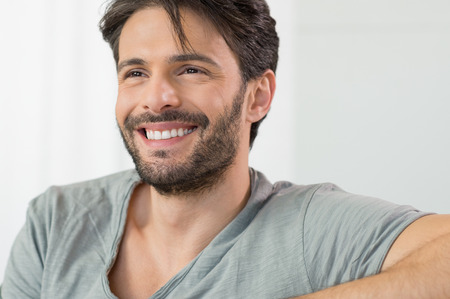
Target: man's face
180	114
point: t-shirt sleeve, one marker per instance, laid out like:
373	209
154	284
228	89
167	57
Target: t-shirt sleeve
347	236
23	274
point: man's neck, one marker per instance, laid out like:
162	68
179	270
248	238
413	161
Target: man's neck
179	227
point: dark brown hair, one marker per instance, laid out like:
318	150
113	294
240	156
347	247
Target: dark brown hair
245	25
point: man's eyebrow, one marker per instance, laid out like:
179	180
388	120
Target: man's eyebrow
192	57
128	62
172	59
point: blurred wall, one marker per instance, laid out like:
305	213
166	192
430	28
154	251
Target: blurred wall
363	100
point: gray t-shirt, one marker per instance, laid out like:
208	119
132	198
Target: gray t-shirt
289	240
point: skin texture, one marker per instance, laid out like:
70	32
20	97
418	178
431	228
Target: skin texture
169	230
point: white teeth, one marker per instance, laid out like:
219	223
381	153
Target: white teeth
158	135
149	134
167	134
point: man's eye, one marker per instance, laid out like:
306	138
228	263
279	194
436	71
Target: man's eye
134	74
191	70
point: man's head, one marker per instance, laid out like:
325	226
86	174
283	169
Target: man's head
245	25
185	104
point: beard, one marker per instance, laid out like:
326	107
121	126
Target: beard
214	152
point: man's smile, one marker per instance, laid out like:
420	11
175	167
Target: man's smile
172	125
168	134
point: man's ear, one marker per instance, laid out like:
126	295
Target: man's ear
260	97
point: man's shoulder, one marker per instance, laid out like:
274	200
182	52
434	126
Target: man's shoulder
286	200
107	190
103	181
300	195
326	198
291	189
285	192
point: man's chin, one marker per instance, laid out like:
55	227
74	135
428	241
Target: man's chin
179	179
162	154
184	188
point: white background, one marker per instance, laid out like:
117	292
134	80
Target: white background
363	101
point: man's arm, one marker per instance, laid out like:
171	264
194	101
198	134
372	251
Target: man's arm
417	266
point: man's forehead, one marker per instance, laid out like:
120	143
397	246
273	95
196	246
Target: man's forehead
190	22
155	22
149	30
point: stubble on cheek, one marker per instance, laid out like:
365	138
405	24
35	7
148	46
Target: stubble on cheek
203	166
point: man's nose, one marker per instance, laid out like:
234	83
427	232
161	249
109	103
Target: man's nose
160	94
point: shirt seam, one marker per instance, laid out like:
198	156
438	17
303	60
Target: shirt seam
303	237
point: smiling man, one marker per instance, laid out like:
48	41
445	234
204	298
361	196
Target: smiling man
181	113
196	78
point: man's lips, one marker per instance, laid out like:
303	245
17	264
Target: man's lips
156	128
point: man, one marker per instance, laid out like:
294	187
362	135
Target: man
196	77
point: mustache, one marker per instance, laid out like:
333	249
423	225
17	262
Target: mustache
132	122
